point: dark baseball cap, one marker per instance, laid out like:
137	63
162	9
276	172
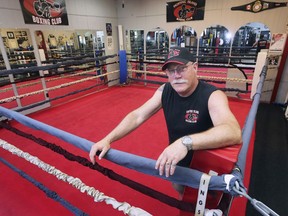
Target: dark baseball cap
178	55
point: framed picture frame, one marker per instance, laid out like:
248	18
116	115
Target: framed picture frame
10	35
109	29
274	60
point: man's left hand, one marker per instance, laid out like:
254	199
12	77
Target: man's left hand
169	158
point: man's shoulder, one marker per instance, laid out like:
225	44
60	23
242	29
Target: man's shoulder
166	86
207	86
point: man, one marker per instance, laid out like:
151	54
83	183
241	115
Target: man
197	116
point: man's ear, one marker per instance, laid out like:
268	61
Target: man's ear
195	66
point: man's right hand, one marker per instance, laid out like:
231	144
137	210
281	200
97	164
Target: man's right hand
102	146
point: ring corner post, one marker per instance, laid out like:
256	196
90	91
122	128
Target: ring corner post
123	66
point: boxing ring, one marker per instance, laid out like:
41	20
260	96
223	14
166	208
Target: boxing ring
79	120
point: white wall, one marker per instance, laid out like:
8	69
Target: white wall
149	14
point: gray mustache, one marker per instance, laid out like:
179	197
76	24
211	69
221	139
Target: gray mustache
180	81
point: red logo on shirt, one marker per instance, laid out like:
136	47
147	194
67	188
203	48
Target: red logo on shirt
191	116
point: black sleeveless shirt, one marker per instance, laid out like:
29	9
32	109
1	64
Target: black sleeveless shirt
187	115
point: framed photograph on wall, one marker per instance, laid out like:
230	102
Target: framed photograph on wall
10	35
109	29
274	60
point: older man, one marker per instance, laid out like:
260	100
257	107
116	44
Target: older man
196	113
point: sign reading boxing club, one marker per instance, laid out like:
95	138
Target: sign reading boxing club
185	10
44	12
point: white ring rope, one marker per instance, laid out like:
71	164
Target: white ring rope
221	72
98	196
48	80
147	72
225	79
199	71
200	77
55	87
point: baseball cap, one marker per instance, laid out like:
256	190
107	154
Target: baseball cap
178	55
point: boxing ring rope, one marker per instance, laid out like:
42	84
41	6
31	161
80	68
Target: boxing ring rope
145	67
159	67
75	182
146	165
54	66
217	72
54	88
63	73
56	78
246	137
107	172
204	78
62	96
141	164
152	63
49	80
200	77
248	127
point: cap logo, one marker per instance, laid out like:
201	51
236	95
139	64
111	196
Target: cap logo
173	53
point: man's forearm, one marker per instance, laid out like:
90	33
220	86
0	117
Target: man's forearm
217	137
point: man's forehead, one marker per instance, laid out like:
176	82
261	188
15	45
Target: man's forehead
173	65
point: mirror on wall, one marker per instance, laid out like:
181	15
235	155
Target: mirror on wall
67	43
55	44
18	46
157	39
85	40
99	40
89	40
214	44
135	42
157	43
246	37
184	36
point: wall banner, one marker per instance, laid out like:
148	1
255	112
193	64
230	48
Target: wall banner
44	12
177	11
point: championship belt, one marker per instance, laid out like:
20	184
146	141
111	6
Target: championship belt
259	5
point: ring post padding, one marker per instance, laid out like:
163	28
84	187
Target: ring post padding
123	66
202	194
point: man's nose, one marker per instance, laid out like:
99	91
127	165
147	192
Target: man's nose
177	73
